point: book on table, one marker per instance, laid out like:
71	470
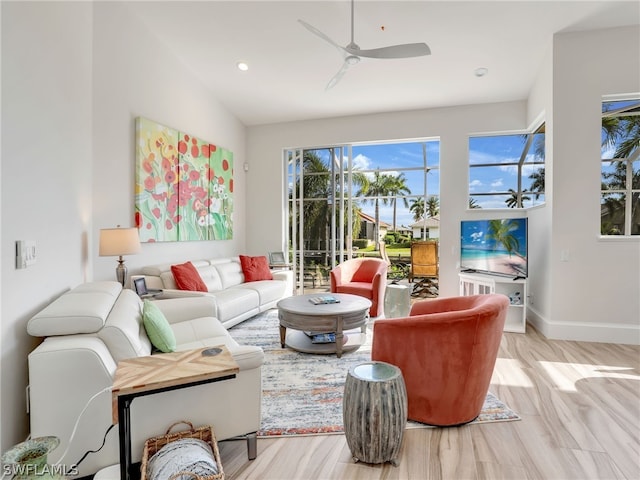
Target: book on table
324	299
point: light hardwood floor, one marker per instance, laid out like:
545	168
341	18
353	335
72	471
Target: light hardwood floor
580	409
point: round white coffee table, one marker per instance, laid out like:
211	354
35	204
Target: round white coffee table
300	315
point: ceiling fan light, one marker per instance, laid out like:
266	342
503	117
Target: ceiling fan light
481	71
242	66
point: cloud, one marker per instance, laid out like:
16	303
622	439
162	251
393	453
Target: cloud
361	162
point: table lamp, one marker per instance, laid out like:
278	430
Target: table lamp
119	242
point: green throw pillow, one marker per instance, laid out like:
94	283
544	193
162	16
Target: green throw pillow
158	329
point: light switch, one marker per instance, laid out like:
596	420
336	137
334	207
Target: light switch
25	253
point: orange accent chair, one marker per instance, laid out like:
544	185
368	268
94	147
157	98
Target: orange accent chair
446	349
366	277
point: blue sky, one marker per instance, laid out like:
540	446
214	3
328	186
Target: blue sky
408	158
482	150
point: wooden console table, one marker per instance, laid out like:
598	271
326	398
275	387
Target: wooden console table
142	376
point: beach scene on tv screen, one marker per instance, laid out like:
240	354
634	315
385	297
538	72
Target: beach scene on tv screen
494	246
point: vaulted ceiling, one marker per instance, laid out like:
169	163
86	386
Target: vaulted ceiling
289	67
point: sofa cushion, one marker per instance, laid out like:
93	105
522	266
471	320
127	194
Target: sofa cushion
234	302
230	272
197	329
187	277
255	268
123	332
210	277
268	290
83	309
158	328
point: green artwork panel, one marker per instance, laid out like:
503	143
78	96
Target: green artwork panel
156	185
221	191
193	189
183	186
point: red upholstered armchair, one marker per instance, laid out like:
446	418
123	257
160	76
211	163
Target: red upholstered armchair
446	349
366	277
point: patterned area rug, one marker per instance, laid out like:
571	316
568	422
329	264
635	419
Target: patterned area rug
302	393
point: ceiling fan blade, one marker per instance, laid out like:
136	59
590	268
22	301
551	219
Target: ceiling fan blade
338	76
317	32
395	51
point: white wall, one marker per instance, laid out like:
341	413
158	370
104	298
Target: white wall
594	295
540	106
46	175
74	77
265	222
135	75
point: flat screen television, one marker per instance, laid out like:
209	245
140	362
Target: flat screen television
497	246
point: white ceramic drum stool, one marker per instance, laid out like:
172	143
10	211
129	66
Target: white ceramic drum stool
397	301
374	412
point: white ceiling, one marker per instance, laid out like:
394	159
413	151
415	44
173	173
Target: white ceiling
289	67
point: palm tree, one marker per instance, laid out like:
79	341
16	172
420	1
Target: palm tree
433	206
378	189
625	128
623	132
512	201
500	232
317	209
537	186
398	187
417	207
315	186
473	203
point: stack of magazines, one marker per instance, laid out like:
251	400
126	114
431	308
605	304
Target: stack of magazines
324	299
321	337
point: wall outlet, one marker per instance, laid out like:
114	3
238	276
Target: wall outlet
25	253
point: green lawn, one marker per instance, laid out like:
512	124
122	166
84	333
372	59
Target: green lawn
393	251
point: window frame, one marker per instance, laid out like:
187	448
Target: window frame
520	192
628	191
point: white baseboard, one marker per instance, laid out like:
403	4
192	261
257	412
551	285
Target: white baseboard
621	333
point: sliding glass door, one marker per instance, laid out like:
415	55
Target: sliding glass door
319	210
346	199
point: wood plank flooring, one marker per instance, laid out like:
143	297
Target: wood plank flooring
580	409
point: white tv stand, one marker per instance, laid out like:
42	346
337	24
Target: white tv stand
472	283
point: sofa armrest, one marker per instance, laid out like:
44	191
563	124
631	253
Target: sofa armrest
335	277
247	356
175	293
178	310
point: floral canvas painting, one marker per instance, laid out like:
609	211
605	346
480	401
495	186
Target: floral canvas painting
184	186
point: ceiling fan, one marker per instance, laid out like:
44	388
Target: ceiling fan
352	52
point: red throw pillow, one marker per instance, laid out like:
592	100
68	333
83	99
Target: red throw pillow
255	268
188	278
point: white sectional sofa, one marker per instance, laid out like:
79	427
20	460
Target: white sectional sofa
87	331
235	299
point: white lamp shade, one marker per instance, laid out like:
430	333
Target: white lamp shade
119	241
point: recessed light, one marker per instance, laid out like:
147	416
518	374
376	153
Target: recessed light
242	66
481	72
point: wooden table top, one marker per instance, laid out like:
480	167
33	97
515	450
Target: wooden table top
348	303
155	372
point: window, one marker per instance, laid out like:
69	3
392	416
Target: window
620	168
343	199
507	171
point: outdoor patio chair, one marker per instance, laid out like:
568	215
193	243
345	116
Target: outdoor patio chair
425	266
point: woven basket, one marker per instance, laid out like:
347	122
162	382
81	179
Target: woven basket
205	433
